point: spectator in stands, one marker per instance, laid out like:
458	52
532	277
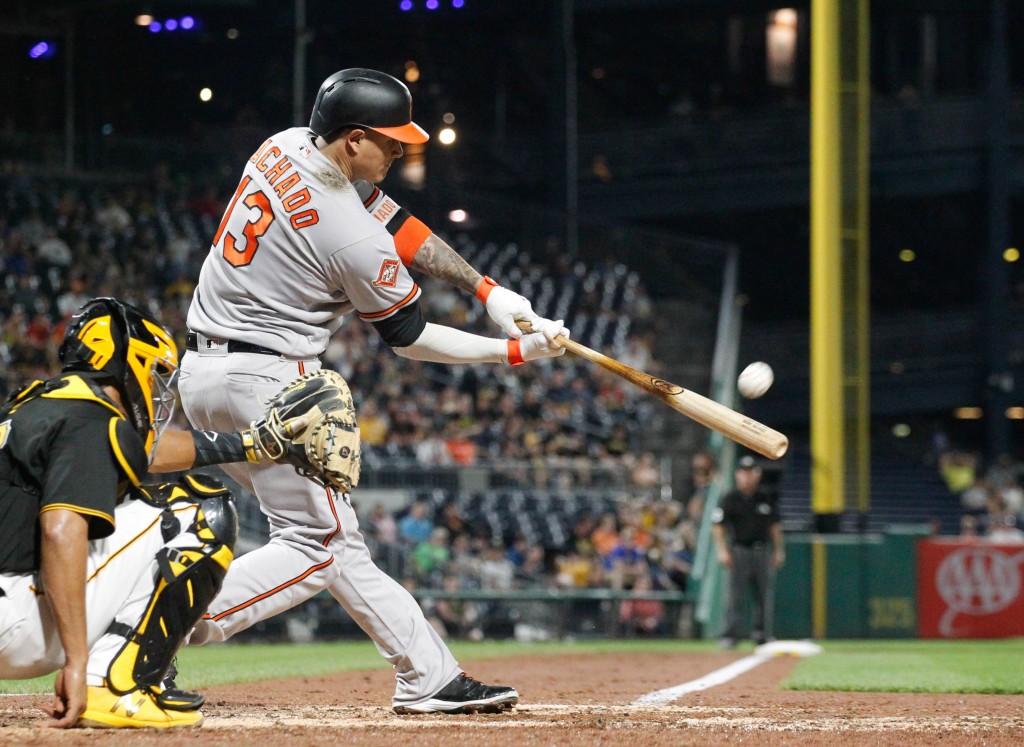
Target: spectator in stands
575	569
496	574
618	442
453	618
461	449
532	572
381	526
431	447
958	470
373	425
606	536
384	542
642	616
1003	530
415	527
976	497
465	562
645	472
969	528
53	250
626	562
430	558
1012	496
582	530
496	570
703	472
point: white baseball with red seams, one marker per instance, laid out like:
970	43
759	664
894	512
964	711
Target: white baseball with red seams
755	380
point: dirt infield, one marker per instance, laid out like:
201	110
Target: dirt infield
567	700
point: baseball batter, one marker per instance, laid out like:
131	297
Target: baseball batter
307	239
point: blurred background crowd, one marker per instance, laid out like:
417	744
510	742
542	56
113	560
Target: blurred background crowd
559	430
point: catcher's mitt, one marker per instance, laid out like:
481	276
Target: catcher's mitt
311	423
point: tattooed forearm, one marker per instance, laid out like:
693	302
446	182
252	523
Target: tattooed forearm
437	259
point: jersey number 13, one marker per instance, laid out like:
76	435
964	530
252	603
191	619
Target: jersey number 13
239	252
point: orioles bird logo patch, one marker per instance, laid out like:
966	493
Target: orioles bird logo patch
388	274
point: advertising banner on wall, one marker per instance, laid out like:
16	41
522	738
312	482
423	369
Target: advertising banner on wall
970	589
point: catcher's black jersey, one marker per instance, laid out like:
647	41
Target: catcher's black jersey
60	453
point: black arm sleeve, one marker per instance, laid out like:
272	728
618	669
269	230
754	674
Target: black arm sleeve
213	447
402	328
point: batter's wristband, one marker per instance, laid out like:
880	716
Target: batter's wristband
483	290
515	353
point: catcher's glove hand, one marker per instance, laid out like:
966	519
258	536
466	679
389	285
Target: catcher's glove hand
311	423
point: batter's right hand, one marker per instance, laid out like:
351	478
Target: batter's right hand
535	346
551	329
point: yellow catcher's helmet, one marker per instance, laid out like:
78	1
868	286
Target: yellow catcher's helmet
136	353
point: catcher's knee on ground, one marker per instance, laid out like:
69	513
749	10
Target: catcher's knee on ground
190	570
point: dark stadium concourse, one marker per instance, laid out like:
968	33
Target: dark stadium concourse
628	130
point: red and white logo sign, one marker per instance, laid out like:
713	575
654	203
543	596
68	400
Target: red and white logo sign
388	274
970	590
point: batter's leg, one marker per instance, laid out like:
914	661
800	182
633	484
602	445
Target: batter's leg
390	615
265	582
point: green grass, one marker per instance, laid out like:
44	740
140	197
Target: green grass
878	666
989	666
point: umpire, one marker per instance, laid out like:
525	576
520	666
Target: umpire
748	536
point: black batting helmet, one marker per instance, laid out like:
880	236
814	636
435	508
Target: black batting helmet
134	351
358	97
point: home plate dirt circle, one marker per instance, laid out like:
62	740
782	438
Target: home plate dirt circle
575	700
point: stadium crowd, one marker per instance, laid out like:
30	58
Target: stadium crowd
63	241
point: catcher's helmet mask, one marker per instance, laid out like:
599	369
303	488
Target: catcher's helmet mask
368	99
134	351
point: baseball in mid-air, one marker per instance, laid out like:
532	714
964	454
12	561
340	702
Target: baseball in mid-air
755	380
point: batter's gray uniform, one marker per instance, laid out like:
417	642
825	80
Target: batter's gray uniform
298	249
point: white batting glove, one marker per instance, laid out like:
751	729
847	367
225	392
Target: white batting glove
506	307
550	329
534	346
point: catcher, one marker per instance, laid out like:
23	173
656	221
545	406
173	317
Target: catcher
101	578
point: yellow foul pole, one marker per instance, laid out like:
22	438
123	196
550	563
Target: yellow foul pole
840	113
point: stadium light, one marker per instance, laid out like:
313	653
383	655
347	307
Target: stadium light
155	27
432	4
405	5
968	413
171	24
188	23
42	50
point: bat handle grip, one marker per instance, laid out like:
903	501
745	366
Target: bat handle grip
526	327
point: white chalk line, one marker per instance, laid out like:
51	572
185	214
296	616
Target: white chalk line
718	677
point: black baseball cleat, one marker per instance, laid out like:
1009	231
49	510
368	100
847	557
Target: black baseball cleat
170	697
465	695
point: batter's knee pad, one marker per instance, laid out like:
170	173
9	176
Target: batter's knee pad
188	578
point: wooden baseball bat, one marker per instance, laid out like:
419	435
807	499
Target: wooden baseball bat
734	425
